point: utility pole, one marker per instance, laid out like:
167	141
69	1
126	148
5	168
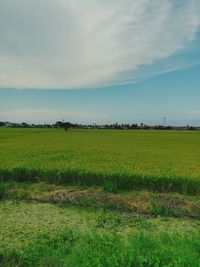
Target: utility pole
164	121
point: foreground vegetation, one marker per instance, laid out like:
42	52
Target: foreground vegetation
56	225
141	202
99	198
43	234
160	161
66	249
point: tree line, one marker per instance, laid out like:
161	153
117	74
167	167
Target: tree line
115	126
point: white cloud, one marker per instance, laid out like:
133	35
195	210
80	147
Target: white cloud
193	115
90	43
194	112
49	115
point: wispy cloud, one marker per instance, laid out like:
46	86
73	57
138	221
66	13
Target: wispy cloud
194	112
91	43
49	115
193	115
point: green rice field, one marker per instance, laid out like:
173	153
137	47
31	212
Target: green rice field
99	198
155	160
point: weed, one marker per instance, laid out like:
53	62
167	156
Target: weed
116	220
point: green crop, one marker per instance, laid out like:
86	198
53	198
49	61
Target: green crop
155	160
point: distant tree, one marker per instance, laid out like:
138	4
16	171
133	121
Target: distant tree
191	128
134	126
117	126
48	126
146	127
24	125
67	125
59	124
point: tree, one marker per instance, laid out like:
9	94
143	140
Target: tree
67	125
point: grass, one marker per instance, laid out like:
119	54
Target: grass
99	198
146	203
33	234
47	235
106	250
118	160
2	190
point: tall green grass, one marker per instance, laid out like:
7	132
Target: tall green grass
2	190
156	160
106	250
110	182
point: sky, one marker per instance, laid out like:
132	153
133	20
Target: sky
100	61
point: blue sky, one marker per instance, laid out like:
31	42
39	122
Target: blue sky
100	61
175	95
